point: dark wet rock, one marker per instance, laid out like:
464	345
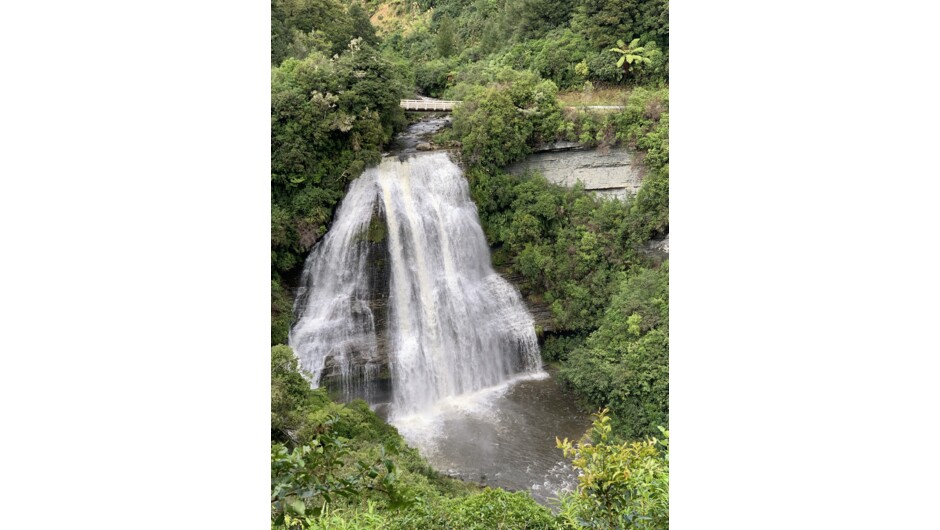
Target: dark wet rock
539	309
418	133
657	249
558	146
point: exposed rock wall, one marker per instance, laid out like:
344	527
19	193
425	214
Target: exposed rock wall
611	172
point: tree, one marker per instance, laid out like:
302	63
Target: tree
600	21
445	37
632	57
361	26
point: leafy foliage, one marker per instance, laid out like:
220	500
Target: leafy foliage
432	77
620	485
301	27
281	313
310	475
624	364
600	21
497	124
445	37
496	509
547	37
632	56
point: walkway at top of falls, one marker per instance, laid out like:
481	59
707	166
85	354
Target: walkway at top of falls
439	105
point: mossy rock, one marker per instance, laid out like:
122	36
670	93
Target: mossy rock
376	232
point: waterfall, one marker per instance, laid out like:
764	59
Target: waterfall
336	321
453	325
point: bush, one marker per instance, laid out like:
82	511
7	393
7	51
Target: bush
338	519
557	347
433	77
491	130
496	509
620	485
291	395
602	67
281	313
624	364
306	477
567	245
498	124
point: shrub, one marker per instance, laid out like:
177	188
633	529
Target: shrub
281	313
307	477
624	364
620	485
499	123
433	77
496	509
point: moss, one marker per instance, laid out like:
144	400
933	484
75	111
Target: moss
377	231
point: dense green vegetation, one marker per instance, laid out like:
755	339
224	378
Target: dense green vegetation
338	71
578	253
620	485
339	466
330	118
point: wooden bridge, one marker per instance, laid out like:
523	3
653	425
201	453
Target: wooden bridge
429	105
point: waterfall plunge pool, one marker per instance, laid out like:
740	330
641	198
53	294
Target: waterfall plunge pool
502	436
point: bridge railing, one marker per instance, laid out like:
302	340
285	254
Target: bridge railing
424	104
448	105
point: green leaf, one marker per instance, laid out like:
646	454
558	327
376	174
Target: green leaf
620	62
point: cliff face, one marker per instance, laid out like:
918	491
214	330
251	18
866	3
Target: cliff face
540	310
611	172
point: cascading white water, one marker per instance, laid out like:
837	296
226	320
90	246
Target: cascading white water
454	325
336	318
